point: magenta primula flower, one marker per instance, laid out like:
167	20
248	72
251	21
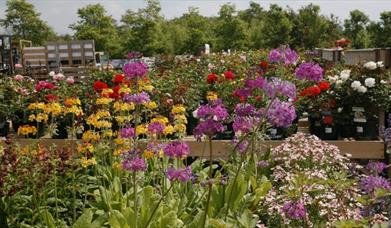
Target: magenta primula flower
135	70
182	175
156	128
140	98
176	149
309	71
127	132
134	165
281	114
208	127
283	55
294	210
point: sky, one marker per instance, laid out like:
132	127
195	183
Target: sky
61	13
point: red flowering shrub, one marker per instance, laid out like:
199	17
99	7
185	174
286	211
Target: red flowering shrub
229	75
212	78
118	78
312	91
99	86
323	85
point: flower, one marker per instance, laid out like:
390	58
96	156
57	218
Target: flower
264	65
229	75
41	85
323	85
362	89
328	120
135	70
283	55
345	74
281	114
127	132
380	64
58	77
182	175
156	128
370	82
294	210
370	65
276	86
176	149
50	97
208	127
27	129
177	109
355	85
118	78
309	71
244	109
18	77
212	78
371	183
242	125
376	167
262	164
140	98
51	73
257	83
134	165
70	80
310	91
99	86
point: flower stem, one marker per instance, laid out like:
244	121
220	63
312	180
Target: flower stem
210	181
135	197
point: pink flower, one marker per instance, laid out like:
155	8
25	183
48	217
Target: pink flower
19	77
70	80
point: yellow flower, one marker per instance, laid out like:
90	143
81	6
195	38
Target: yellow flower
117	165
90	136
169	129
177	109
161	119
107	91
73	109
37	105
118	152
180	128
150	105
180	118
103	101
148	154
53	108
41	117
120	106
124	89
141	129
87	162
122	119
119	141
212	96
107	133
148	88
27	129
72	101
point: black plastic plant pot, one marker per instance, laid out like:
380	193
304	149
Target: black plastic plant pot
4	128
329	132
346	130
366	131
316	126
62	132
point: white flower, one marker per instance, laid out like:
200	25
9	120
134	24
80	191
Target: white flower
380	64
338	82
340	109
58	77
383	81
362	89
370	65
355	85
370	82
345	74
195	113
51	73
333	79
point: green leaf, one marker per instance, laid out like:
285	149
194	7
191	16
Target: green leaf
117	220
84	220
48	218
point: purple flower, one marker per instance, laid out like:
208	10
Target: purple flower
371	183
281	114
182	175
283	55
135	70
134	165
277	87
140	98
208	127
294	210
176	149
242	125
263	164
156	128
255	83
244	109
309	71
242	92
216	112
127	132
376	167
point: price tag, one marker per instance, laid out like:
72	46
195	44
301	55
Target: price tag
328	130
359	129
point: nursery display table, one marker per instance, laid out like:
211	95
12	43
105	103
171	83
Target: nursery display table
222	148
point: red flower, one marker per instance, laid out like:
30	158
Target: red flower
229	75
211	78
118	78
116	88
99	86
323	85
328	120
264	65
50	97
311	91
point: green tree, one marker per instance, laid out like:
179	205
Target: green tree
277	27
254	18
95	24
24	22
356	29
144	30
380	31
231	31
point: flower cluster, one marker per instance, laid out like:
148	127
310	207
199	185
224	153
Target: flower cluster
309	71
182	175
283	55
281	114
135	70
176	149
